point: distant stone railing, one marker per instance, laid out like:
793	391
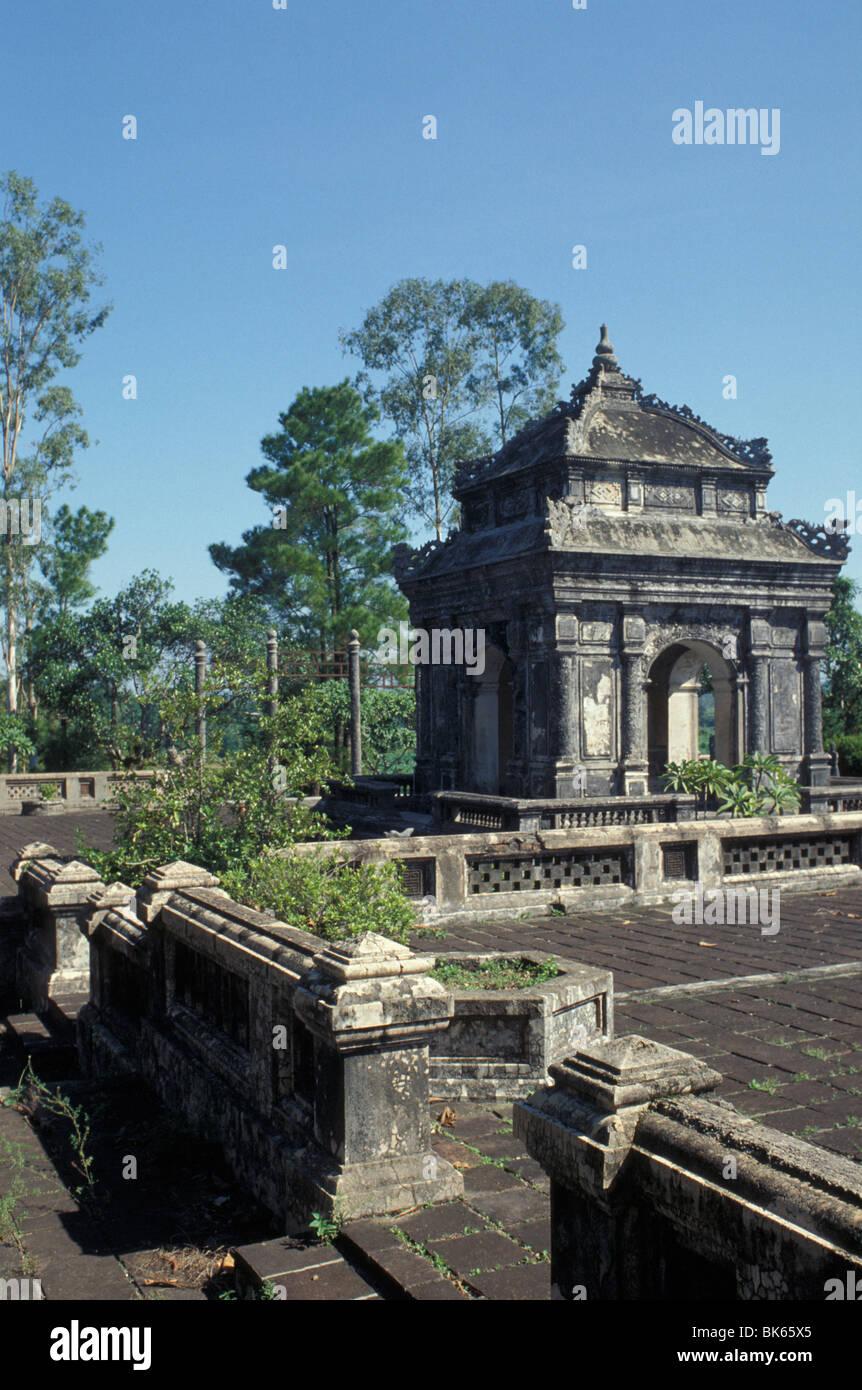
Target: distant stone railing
306	1061
841	794
475	810
76	791
498	874
658	1192
384	793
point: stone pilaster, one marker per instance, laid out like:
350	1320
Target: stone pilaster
371	1008
55	957
633	742
817	762
758	713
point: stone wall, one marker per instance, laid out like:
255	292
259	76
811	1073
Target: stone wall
501	874
658	1192
76	791
308	1063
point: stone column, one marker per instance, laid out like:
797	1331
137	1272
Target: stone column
634	751
271	671
758	691
518	659
817	762
564	725
371	1008
581	1130
355	705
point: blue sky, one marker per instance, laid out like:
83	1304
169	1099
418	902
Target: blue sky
303	127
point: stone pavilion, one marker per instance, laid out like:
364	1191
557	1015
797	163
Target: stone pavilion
611	551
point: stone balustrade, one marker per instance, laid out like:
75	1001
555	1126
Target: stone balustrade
659	1192
75	791
307	1062
499	874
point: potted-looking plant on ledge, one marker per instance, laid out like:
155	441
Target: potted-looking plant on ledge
50	801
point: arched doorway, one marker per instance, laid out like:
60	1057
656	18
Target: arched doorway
675	705
492	722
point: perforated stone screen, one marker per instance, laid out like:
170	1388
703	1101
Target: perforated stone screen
417	877
678	861
745	857
529	872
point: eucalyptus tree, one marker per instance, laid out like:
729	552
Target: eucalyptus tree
457	368
47	277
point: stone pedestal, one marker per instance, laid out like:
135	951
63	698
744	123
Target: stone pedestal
55	957
371	1010
581	1131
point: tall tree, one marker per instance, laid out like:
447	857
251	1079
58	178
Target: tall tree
336	494
79	538
463	366
842	698
519	364
47	276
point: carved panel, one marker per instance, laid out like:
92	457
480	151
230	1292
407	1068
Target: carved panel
597	708
596	632
734	500
664	495
785	702
606	494
512	506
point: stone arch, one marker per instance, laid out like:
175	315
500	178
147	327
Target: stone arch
492	722
672	704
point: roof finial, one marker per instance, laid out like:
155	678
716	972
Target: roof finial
605	353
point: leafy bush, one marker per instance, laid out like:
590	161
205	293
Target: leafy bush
758	786
325	895
221	812
849	755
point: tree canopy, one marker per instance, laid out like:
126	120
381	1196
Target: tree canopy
335	492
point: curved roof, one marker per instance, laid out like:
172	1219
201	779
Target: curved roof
609	418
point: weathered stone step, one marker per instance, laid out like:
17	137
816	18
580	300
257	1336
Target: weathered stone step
399	1271
300	1272
30	1033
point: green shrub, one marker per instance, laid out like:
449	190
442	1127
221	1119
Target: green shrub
325	895
849	755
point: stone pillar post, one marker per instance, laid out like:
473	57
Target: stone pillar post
817	762
635	768
758	692
516	639
563	720
272	671
355	705
200	677
581	1130
55	957
371	1009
